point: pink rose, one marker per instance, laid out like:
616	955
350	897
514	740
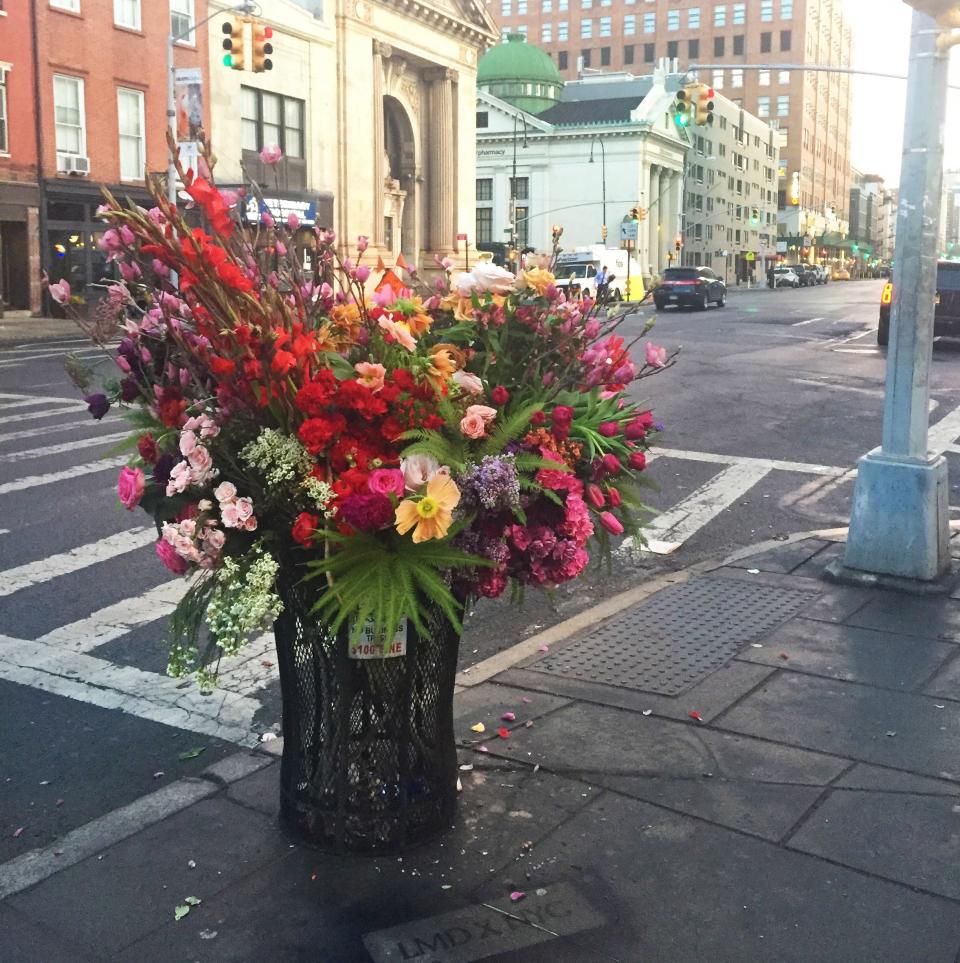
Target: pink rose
201	462
370	374
188	442
250	524
244	509
213	540
387	481
179	478
476	419
230	515
130	487
167	554
467	382
225	492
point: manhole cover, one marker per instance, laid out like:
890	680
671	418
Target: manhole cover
677	636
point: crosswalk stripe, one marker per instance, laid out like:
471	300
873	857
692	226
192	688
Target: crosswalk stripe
63	447
37	415
944	432
770	464
34	481
44	569
19	360
6	400
46	430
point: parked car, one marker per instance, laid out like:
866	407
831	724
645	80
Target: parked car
696	286
841	274
785	276
823	275
807	274
946	304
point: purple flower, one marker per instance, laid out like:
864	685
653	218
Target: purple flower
162	469
97	405
129	390
492	484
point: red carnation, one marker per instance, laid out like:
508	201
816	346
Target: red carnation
147	446
317	433
366	513
314	397
500	395
304	528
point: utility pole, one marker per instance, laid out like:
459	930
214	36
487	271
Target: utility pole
899	522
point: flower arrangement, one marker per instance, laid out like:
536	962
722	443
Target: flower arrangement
400	446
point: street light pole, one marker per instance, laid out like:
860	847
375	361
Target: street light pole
899	522
603	172
513	187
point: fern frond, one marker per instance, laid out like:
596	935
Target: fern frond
510	429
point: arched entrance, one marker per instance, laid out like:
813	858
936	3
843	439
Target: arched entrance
400	181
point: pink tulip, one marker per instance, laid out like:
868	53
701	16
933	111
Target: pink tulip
611	523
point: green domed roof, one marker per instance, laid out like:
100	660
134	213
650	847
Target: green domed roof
520	73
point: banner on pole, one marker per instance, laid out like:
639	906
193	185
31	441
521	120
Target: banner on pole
188	101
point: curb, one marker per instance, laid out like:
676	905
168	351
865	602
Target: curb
36	865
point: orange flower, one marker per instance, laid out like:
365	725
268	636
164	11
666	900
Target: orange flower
539	280
431	515
445	359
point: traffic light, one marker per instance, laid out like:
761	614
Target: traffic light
641	214
233	44
681	109
754	215
677	244
704	111
603	232
261	47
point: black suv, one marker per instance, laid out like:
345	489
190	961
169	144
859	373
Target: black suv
808	274
946	312
690	285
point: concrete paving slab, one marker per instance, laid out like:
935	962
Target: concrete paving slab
712	696
673	888
946	683
853	721
785	558
260	791
892	780
814	567
486	703
109	901
837	604
910	838
24	941
852	654
931	617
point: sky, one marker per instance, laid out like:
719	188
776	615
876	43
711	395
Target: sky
882	42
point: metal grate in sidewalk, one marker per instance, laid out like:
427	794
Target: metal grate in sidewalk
678	636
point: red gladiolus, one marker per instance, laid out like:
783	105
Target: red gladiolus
147	446
614	495
500	395
611	523
595	496
304	527
282	362
611	464
608	429
638	460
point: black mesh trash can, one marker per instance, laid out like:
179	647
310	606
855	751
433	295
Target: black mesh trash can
369	761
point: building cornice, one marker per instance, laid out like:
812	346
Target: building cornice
480	30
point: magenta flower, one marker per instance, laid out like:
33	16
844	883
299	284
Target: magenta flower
656	356
60	291
611	523
387	481
271	155
130	486
293	222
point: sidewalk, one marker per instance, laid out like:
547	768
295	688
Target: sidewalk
748	763
24	328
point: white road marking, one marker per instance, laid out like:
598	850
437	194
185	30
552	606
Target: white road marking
4	531
799	324
32	345
6	399
34	481
945	432
104	440
871	392
857	350
670	530
46	430
44	569
770	464
35	415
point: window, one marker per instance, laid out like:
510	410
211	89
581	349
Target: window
483	119
718	81
605	26
562	30
766	10
521	7
267	118
786	9
783	105
693	17
649	53
628	54
504	35
521	28
585	57
563	5
548	6
484	225
720	16
738	45
605	3
629	25
673	49
562	60
520	188
4	133
484	188
693	49
506	8
604	56
586	4
718	46
72	5
739	13
68	115
586	29
736	77
126	13
785	39
546	33
649	23
523	227
766	42
182	21
783	77
763	78
673	20
130	116
763	106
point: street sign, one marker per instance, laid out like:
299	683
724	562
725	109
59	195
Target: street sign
628	231
461	237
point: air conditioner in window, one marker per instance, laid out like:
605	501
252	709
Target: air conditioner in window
76	164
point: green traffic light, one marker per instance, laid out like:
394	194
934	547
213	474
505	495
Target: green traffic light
682	120
228	60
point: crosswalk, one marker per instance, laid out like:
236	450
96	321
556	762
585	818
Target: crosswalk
97	595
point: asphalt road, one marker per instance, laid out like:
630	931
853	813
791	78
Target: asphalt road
773	400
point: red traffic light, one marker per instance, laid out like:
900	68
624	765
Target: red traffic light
710	93
267	32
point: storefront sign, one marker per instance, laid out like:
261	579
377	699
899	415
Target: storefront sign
371	646
280	208
491	152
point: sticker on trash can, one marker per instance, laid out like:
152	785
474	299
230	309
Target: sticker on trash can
369	646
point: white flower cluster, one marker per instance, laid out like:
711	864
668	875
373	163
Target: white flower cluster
243	601
280	457
321	494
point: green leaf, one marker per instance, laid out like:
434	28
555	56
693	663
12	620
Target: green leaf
192	900
179	912
192	753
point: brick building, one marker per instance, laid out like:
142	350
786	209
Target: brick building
19	191
101	102
811	109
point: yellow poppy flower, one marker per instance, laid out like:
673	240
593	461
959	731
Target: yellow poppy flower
539	279
431	515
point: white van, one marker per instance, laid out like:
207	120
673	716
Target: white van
576	271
